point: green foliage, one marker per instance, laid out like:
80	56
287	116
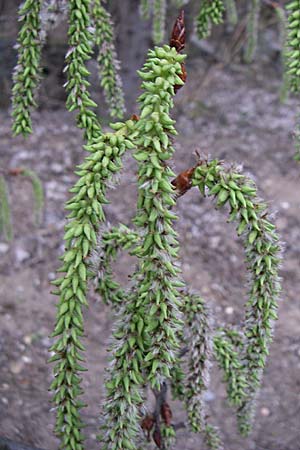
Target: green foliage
156	315
293	41
252	30
5	216
211	13
26	73
108	63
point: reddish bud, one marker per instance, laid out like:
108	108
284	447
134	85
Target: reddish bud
16	171
183	182
178	33
147	425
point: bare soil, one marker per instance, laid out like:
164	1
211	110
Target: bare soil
235	115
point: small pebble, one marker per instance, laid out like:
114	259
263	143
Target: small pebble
265	412
229	310
26	359
21	254
5	386
285	205
27	339
4	400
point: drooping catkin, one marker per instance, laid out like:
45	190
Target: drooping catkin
211	13
252	30
108	63
26	75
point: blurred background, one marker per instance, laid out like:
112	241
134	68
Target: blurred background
227	109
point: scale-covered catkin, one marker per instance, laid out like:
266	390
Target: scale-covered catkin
252	30
211	13
86	213
159	20
108	63
198	336
109	242
145	343
80	50
158	290
293	43
145	9
263	256
228	349
26	74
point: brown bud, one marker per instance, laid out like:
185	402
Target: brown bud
178	33
147	425
135	117
16	171
166	413
183	182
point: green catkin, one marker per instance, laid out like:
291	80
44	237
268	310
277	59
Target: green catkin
5	216
159	20
109	243
293	44
26	74
80	50
145	9
145	343
38	193
282	25
211	13
231	12
263	255
198	335
227	354
109	65
252	30
86	213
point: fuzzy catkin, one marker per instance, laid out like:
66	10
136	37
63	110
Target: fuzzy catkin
108	63
210	13
252	30
263	255
80	50
26	74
